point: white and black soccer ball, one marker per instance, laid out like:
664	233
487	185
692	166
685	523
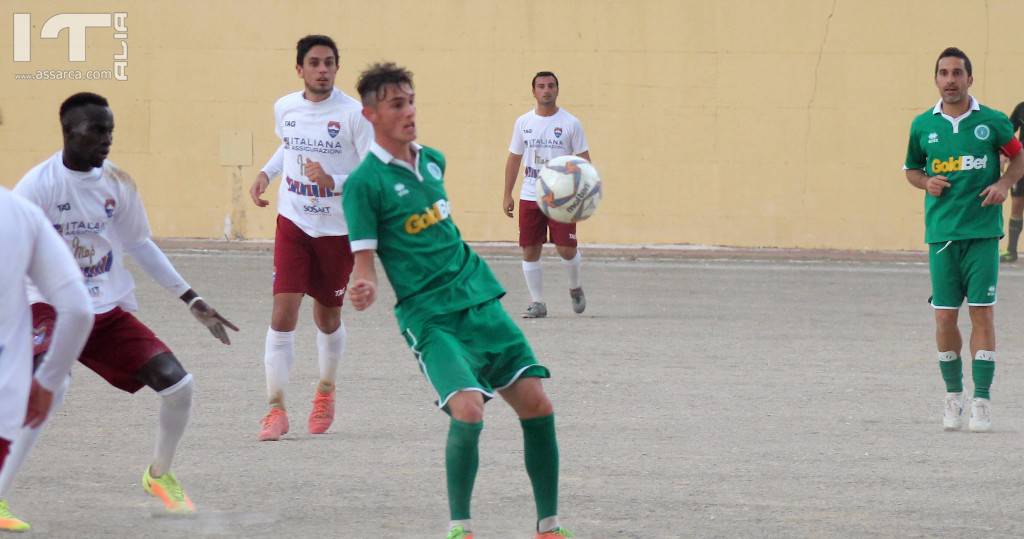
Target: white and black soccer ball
568	189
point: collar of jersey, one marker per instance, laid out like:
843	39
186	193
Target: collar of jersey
388	159
937	109
91	175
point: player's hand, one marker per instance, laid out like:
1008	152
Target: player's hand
362	293
258	188
209	317
40	400
316	174
994	194
936	184
508	205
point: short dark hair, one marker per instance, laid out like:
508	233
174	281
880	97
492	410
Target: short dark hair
310	41
953	52
81	99
375	77
533	83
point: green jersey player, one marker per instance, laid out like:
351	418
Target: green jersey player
447	299
953	154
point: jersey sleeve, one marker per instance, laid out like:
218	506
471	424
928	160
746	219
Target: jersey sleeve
579	140
275	165
517	146
362	134
1003	137
278	112
30	188
916	157
361	202
130	220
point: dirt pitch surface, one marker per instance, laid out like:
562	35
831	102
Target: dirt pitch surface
698	396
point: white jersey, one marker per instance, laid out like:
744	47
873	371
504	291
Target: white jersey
542	138
99	215
30	248
332	132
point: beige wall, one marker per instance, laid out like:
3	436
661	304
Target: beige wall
748	123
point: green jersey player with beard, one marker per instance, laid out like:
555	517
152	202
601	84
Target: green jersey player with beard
953	154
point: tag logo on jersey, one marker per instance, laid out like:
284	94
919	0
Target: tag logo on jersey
38	334
982	132
558	132
333	128
339	293
955	164
64	207
109	206
933	138
527	131
434	170
289	123
401	189
418	222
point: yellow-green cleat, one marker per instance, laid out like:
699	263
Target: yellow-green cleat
9	522
459	532
167	488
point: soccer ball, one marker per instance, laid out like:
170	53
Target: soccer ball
568	189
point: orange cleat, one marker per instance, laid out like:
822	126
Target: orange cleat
322	414
557	533
274	425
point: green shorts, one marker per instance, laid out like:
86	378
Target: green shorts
964	268
475	349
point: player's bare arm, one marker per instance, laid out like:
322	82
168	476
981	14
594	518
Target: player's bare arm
316	174
511	173
258	188
933	184
363	290
208	316
997	192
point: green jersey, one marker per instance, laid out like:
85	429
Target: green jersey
402	211
965	150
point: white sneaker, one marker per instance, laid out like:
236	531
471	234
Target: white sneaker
981	415
952	417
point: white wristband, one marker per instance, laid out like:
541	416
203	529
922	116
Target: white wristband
194	300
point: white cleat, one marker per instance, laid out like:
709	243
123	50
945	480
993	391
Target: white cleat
981	415
952	417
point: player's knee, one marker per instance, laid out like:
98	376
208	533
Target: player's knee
982	316
566	252
162	371
946	318
466	406
539	406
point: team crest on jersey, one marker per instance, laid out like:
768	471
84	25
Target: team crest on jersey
558	132
333	128
434	170
109	206
982	132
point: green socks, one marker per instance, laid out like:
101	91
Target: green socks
983	368
541	452
461	460
952	371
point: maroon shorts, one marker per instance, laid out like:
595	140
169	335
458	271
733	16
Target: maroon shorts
5	445
318	267
117	348
534	227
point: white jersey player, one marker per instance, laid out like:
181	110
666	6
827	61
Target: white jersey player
540	135
324	137
31	248
95	207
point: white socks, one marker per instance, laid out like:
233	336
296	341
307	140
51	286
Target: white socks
330	347
573	267
534	273
548	524
27	438
175	408
278	357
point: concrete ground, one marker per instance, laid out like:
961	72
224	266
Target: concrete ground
695	398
